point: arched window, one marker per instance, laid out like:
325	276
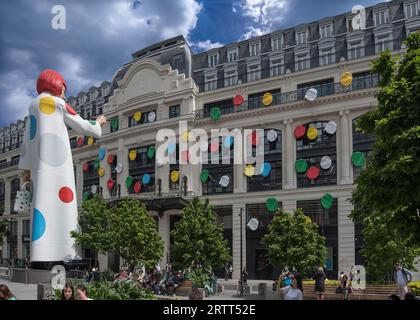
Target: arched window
312	151
273	156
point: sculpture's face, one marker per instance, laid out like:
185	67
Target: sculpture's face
62	92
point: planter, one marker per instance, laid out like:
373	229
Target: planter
184	289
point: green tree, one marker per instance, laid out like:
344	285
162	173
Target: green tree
384	246
134	235
198	238
390	184
293	243
127	229
94	226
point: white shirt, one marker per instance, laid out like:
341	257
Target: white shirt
292	293
400	278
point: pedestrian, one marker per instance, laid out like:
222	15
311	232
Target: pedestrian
345	286
402	277
293	291
68	292
5	293
320	278
82	293
227	271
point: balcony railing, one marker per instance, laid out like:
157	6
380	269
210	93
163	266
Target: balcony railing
8	164
359	83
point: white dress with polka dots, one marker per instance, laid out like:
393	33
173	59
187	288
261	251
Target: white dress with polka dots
46	152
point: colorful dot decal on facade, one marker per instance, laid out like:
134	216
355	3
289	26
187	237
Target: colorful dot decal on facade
129	181
224	181
204	176
101	171
32	127
331	127
254	138
137	187
272	135
94	189
137	116
85	195
52	150
171	147
266	169
132	154
238	100
47	105
311	94
65	194
110	159
253	224
85	167
119	167
101	153
38	225
267	99
151	117
325	163
80	141
358	159
299	132
151	150
110	184
346	79
146	179
312	173
96	164
214	146
301	165
215	113
227	142
272	204
90	141
249	170
70	110
327	201
174	175
312	133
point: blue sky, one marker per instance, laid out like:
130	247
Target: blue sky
100	35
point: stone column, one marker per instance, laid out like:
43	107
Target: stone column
289	156
123	158
236	238
7	190
19	238
346	247
164	226
239	179
344	133
289	205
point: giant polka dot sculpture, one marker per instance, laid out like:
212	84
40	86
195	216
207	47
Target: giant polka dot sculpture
52	150
47	105
32	126
38	225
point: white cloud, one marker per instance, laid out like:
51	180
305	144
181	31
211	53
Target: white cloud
204	45
264	15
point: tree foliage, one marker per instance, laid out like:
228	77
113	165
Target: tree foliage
293	243
198	238
127	229
390	184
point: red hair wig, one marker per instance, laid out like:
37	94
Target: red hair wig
50	80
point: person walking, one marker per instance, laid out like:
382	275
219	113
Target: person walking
320	278
402	277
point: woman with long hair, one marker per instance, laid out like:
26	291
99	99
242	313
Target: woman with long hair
68	292
5	293
295	290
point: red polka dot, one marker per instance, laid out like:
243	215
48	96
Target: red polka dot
137	187
70	110
65	194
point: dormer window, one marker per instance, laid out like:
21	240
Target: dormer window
233	54
381	17
325	31
213	60
277	43
254	49
302	37
411	9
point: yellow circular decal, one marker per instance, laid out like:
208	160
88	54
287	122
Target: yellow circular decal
346	79
175	176
137	116
133	155
312	133
47	105
101	171
249	170
90	141
185	135
267	99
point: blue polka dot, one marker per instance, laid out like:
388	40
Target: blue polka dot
266	169
146	178
228	142
32	127
38	225
101	153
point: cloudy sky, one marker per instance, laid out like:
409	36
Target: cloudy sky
100	35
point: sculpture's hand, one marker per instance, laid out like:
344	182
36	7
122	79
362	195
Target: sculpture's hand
101	120
26	176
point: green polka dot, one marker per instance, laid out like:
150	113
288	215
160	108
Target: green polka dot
301	165
215	113
272	204
327	201
86	195
129	181
151	152
204	175
96	164
358	159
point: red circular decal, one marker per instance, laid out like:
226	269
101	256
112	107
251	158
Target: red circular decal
300	132
312	173
80	141
254	139
238	100
137	187
65	194
110	158
110	184
85	167
214	146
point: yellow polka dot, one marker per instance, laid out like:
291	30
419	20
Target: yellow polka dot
90	141
47	105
